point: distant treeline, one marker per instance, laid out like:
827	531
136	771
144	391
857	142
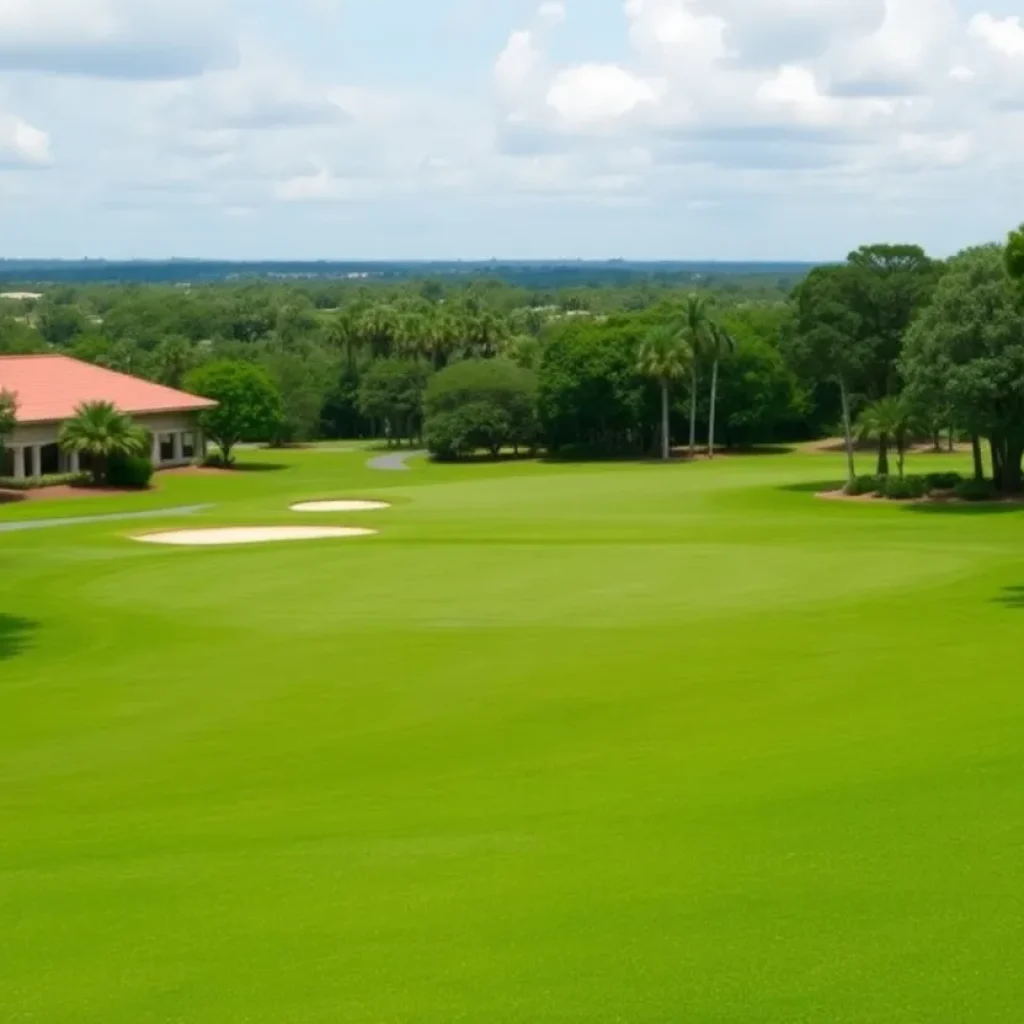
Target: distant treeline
525	274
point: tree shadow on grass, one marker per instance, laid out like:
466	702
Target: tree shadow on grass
813	487
965	508
680	456
14	635
1011	597
257	467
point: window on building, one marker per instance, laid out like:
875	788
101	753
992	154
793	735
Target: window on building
50	459
166	448
188	445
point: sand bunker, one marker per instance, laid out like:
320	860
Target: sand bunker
250	535
340	506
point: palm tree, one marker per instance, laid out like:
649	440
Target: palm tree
447	336
8	417
102	432
664	357
486	333
889	419
378	328
719	345
695	328
413	337
343	335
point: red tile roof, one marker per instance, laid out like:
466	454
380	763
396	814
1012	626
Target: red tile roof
50	388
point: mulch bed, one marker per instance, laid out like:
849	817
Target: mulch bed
65	492
934	499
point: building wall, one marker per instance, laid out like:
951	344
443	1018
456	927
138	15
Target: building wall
28	439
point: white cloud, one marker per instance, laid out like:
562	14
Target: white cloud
903	55
321	186
551	13
1003	35
144	39
709	107
263	92
516	65
22	144
676	30
594	94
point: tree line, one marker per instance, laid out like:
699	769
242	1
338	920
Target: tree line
890	344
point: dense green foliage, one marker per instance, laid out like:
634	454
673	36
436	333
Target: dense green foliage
480	404
132	471
391	392
763	358
8	419
665	358
249	406
591	743
968	347
100	433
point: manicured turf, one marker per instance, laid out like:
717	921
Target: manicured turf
606	743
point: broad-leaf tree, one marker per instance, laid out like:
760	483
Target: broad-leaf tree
664	357
248	403
172	359
480	403
826	342
886	286
391	393
101	432
1015	254
972	333
302	375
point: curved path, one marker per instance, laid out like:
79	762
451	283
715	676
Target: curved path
43	524
394	462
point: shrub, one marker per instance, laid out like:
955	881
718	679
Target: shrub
907	489
447	437
976	490
33	483
864	485
130	471
944	481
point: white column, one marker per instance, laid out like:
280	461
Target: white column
154	454
179	446
200	446
76	463
19	463
37	459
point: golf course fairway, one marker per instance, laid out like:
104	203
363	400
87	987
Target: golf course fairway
598	743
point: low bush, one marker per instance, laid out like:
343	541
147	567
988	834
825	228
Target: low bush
907	489
864	485
944	481
130	471
976	490
32	483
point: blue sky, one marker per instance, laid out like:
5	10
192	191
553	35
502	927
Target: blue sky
743	129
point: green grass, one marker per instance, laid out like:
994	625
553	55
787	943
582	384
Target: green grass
601	743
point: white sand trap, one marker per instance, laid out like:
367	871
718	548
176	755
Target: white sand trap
251	535
340	506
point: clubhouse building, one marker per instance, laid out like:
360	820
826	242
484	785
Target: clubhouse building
49	389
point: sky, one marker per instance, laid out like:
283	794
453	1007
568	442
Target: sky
595	129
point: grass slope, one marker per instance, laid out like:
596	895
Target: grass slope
618	743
